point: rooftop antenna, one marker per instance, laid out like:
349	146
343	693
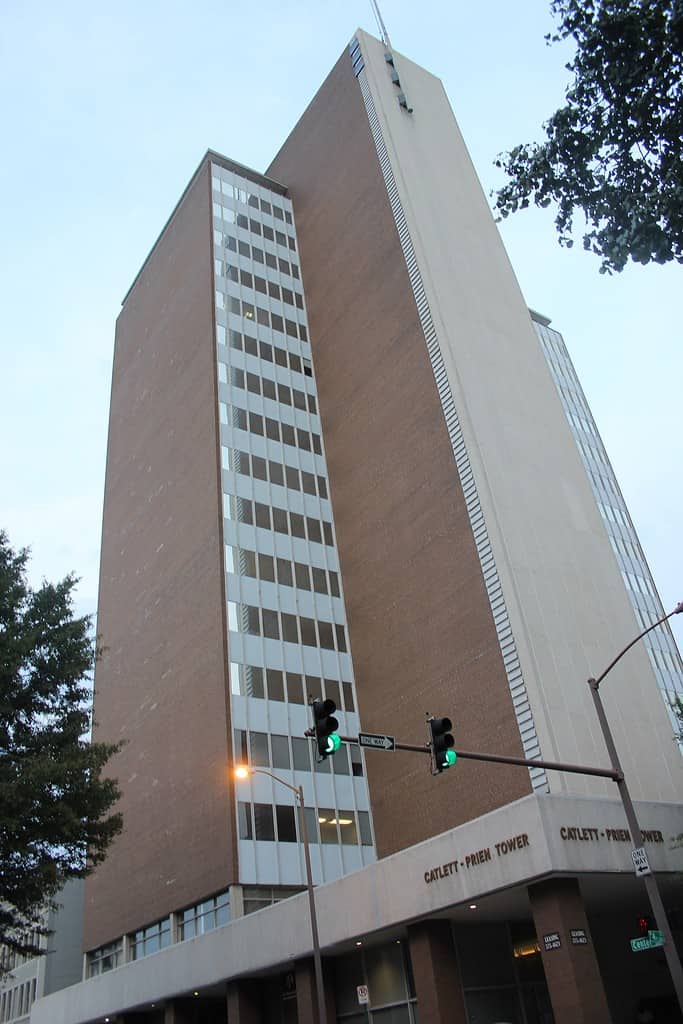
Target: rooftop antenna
384	35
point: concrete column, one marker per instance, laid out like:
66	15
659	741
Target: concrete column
244	1002
571	968
440	998
306	999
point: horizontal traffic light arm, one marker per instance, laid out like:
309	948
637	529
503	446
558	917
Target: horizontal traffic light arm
472	755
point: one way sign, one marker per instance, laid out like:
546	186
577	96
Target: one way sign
371	739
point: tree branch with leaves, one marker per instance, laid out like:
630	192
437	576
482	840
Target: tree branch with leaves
55	801
614	152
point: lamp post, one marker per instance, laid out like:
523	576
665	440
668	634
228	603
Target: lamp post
243	772
651	887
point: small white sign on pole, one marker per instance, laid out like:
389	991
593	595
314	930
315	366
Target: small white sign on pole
641	865
363	995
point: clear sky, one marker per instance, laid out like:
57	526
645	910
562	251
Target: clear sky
106	111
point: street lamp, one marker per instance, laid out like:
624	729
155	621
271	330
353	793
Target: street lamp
244	772
652	889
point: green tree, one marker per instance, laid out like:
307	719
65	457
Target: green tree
54	801
615	149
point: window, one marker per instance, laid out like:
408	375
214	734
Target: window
280	748
151	939
244	820
205	916
286	826
263	822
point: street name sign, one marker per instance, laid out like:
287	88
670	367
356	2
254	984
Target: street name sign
653	940
371	739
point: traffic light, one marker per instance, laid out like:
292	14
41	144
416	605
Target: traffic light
645	925
440	744
325	727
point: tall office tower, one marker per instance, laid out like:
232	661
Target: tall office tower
336	450
221	603
647	606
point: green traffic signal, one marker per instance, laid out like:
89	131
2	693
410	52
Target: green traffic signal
441	743
451	758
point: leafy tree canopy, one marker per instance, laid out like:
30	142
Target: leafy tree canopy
54	802
615	150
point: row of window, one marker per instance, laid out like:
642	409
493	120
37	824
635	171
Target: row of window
259	284
11	958
293	629
269	471
268	750
268	823
266	426
267	517
264	350
230	216
257	314
240	195
17	1002
614	515
268	388
204	917
288	687
257	255
243	562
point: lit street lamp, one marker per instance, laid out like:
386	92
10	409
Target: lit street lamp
670	951
243	772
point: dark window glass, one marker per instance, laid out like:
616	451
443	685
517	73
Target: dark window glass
266	568
332	689
356	762
276	690
314	534
271	261
347	827
308	481
256	424
235	340
299	399
288	217
297	522
284	394
303	333
277	323
266	207
284	572
267	232
233	273
263	316
288	296
277	213
314	688
241	748
291	243
280	357
237	376
257	254
265	351
239	417
298	300
242	221
295	362
244	815
327	818
268	387
322	487
262	515
292	478
235	305
334	584
246	279
302	577
289	632
326	636
327	530
244	510
308	637
317	447
288	434
308	369
250	345
349	702
271	626
263	822
295	271
301	755
364	823
280	747
247	563
253	383
295	693
286	828
281	237
340	763
272	429
255	226
291	329
231	243
273	290
280	524
283	265
303	439
258	742
253	681
253	201
243	249
312	404
253	626
276	474
258	467
319	579
341	638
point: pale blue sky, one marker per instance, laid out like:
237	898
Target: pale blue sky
106	111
